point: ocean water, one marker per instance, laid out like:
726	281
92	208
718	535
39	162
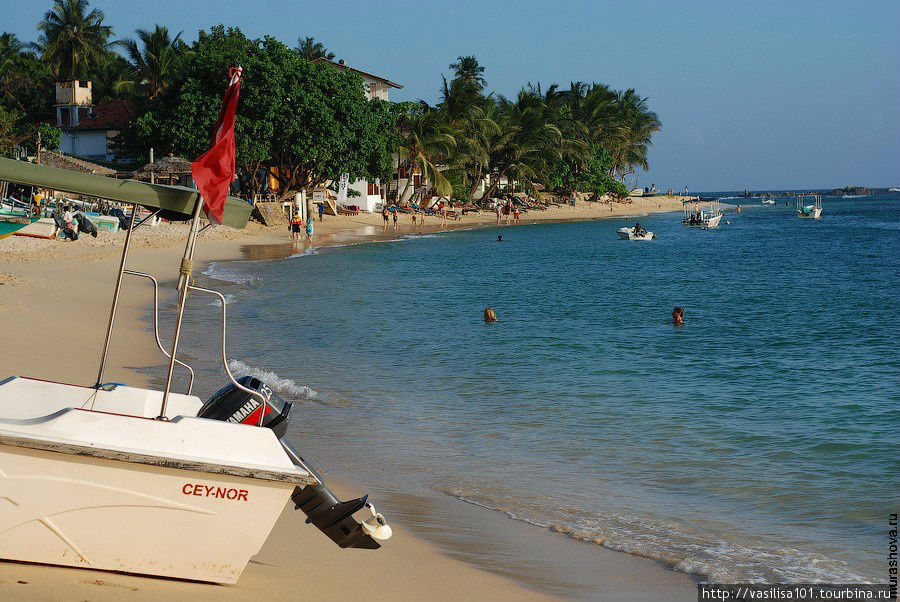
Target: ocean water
758	442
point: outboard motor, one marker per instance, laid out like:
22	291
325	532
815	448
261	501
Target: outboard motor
322	508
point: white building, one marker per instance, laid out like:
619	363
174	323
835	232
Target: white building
371	194
88	130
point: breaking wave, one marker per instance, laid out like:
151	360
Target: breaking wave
227	273
285	386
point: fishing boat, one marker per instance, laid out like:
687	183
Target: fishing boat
631	234
157	482
14	220
701	214
811	210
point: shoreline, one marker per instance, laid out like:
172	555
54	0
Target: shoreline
31	290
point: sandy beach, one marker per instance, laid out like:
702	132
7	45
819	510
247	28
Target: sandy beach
54	303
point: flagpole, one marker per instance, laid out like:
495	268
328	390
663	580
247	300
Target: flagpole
184	280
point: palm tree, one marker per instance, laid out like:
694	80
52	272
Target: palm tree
312	50
426	143
10	47
151	66
637	124
469	71
73	38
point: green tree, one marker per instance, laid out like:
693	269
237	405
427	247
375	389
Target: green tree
25	82
150	65
73	38
311	50
307	123
10	134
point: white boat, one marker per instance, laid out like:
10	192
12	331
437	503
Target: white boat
630	234
154	482
809	210
701	214
768	201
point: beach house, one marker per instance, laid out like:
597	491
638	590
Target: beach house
87	130
371	194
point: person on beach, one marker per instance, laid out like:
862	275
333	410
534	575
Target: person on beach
68	216
516	215
413	216
489	315
309	229
678	316
296	226
395	211
384	216
321	211
506	212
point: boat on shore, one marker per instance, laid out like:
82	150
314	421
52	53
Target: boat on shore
155	482
13	220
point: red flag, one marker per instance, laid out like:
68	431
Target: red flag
213	171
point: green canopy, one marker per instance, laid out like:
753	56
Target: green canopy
177	199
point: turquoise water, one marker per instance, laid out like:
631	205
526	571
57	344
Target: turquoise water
757	442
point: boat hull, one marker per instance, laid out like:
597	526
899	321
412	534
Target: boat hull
811	213
88	512
628	234
10	224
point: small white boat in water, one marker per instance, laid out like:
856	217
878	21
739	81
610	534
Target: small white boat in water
701	214
768	201
809	210
154	482
631	234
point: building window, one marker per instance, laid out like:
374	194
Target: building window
417	180
374	188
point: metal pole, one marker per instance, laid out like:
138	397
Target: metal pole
152	173
184	276
115	303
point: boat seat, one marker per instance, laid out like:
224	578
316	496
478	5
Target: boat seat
25	398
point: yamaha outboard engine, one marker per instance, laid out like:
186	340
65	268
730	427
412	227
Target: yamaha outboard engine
322	508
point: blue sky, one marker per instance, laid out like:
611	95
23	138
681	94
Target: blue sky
788	94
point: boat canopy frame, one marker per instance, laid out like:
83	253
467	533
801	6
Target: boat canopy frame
174	202
178	202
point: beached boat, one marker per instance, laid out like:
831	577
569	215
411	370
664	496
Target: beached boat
809	210
701	214
44	227
13	220
630	234
154	482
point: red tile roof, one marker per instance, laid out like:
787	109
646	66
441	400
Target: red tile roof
113	115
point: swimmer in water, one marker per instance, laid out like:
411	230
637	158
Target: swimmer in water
489	315
678	316
500	238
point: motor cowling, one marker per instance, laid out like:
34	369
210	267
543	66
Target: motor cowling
232	404
322	508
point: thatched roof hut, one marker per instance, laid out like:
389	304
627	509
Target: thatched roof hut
54	159
168	170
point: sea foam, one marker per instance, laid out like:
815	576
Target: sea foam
284	386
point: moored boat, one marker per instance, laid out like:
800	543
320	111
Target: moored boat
809	210
631	234
701	214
